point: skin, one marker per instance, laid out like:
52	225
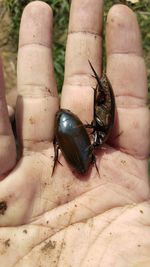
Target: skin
67	219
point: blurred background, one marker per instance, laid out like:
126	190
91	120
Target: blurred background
10	15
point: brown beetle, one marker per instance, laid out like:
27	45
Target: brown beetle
104	109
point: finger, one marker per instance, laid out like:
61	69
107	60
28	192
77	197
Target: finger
84	43
7	142
37	102
11	98
127	73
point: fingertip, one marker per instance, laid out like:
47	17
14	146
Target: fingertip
122	31
120	9
82	18
38	4
36	8
35	15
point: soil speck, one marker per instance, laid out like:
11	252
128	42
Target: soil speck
32	121
7	243
49	245
141	211
3	207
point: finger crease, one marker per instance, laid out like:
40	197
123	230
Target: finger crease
85	32
37	90
35	44
132	53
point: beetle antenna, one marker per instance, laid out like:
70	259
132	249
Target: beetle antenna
95	74
97	169
94	161
56	149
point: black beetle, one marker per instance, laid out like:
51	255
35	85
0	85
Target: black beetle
104	109
73	140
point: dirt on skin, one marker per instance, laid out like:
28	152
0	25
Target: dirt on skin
49	245
7	243
3	207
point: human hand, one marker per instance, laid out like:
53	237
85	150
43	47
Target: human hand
63	220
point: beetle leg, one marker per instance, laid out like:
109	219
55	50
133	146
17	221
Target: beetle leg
118	135
96	140
98	137
56	151
94	161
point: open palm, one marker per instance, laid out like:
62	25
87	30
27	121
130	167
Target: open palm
67	219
